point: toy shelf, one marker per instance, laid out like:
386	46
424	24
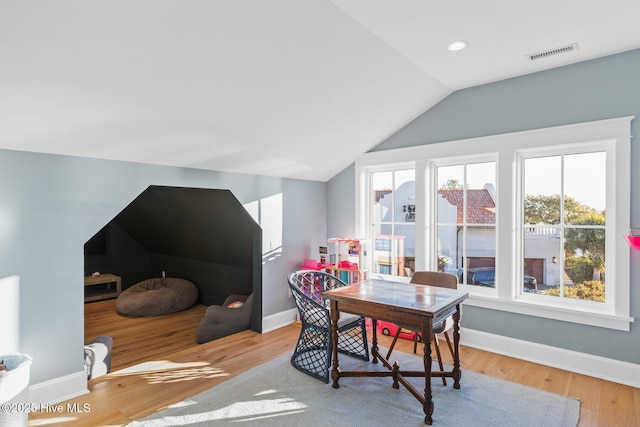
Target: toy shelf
349	259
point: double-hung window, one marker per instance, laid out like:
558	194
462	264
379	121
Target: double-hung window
465	215
391	209
563	225
531	222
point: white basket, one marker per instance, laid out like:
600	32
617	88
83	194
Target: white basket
14	388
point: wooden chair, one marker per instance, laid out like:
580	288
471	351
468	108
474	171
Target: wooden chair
442	280
312	354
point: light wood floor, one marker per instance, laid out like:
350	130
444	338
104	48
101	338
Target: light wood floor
156	362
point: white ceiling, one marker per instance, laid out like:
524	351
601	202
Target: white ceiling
286	88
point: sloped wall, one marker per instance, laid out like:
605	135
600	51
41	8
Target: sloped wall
598	89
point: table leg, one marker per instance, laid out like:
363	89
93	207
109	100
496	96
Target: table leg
335	315
427	337
457	374
395	375
374	342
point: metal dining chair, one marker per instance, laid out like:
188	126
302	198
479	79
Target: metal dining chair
312	354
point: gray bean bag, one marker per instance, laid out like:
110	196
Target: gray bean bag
222	320
154	297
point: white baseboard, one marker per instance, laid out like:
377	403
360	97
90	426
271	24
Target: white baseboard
59	389
568	360
73	385
278	320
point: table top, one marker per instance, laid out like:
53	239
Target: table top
398	296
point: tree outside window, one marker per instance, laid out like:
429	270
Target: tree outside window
563	223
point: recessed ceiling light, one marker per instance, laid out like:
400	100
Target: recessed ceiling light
458	45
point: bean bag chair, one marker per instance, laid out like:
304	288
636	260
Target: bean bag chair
233	316
154	297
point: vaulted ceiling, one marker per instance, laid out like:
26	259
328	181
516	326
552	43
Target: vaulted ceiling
285	88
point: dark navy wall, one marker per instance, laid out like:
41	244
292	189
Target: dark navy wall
203	235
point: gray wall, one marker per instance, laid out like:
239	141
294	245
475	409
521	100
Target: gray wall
593	90
341	212
51	205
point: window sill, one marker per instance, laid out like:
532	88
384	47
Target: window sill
602	320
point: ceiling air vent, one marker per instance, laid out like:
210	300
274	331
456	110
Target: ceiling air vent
550	52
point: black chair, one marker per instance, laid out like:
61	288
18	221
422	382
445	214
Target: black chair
312	354
233	316
442	280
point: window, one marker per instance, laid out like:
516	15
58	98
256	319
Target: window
392	228
466	221
564	224
531	222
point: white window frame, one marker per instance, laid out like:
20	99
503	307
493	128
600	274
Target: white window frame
363	208
509	149
431	192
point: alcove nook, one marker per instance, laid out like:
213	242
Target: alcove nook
203	235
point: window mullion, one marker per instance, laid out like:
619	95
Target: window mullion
562	227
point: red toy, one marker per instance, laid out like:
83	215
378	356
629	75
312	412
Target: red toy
390	329
311	264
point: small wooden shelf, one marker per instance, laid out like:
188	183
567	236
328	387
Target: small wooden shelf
101	287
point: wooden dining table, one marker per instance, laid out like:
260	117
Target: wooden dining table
417	306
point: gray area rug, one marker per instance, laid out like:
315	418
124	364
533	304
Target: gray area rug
276	394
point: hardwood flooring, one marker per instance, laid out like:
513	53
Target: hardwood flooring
157	362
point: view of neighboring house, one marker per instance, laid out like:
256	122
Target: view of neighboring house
542	243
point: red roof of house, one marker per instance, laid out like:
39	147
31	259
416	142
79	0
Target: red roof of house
481	207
